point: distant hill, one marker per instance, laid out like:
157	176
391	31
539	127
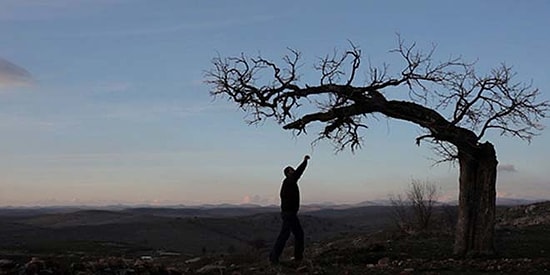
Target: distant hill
209	240
150	229
516	201
208	211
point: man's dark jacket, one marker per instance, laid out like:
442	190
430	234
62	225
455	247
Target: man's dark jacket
290	193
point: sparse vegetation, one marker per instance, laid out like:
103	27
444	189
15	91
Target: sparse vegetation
414	211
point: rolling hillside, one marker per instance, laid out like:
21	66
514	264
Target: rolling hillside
175	241
187	231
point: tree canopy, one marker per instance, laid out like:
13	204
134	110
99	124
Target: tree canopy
454	103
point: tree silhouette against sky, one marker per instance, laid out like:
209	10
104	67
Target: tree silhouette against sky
455	106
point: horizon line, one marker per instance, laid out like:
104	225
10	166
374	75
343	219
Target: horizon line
379	202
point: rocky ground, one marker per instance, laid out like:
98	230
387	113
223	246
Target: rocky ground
524	215
522	241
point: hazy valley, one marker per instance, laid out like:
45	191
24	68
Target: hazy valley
182	230
213	240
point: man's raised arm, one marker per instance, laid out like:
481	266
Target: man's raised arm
300	170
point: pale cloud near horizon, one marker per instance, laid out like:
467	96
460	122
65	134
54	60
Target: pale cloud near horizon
12	75
507	168
258	199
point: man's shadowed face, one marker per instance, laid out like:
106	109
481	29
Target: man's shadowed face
289	171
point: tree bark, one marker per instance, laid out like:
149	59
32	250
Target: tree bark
476	208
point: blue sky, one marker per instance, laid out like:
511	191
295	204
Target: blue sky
104	102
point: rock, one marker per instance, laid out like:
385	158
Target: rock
6	264
407	271
168	253
302	269
358	241
208	268
173	271
384	262
34	266
146	258
74	267
194	260
530	209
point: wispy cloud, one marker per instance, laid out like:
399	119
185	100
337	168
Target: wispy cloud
33	10
108	157
18	122
172	28
114	87
147	111
506	168
13	75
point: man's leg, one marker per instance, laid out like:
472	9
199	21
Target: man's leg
298	233
281	241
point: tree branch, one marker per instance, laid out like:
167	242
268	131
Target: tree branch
475	104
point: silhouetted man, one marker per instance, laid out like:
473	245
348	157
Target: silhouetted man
290	204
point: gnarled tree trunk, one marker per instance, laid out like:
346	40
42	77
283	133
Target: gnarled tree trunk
476	208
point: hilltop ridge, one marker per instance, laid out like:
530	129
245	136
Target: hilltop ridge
341	241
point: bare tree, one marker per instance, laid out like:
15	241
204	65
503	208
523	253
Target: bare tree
415	210
454	104
423	197
400	213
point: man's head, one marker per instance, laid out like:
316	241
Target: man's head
289	171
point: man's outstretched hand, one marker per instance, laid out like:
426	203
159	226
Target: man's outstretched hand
306	157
